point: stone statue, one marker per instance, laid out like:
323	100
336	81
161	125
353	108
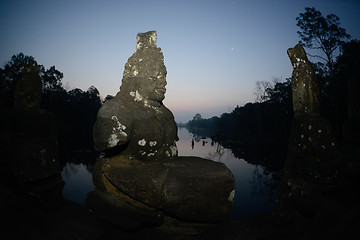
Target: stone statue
311	166
141	175
136	117
305	91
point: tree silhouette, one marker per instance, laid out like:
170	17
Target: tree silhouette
12	73
321	33
51	79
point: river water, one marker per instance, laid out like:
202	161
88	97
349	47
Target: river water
255	185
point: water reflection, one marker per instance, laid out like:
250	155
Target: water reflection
255	185
78	182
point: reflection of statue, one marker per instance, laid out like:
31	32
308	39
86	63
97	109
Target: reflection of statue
142	173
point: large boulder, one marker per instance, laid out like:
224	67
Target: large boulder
190	188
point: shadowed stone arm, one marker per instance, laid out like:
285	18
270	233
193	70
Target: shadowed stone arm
110	130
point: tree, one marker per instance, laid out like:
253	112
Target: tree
197	117
323	34
261	90
13	71
108	97
51	79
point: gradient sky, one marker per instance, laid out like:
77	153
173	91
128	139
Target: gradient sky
214	51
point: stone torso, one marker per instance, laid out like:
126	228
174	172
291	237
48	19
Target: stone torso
148	132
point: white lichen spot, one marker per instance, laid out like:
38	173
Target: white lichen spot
309	127
142	142
152	143
138	97
151	154
174	150
140	59
136	72
332	144
152	38
231	196
132	94
167	153
323	146
143	153
302	136
120	128
113	140
138	43
319	131
309	139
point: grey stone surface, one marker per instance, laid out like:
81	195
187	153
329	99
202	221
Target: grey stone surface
136	116
189	188
304	85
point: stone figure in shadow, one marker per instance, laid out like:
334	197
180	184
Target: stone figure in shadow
141	179
311	169
29	155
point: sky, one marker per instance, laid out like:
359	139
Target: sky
214	50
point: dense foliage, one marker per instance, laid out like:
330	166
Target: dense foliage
75	110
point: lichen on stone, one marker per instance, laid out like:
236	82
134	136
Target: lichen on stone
142	142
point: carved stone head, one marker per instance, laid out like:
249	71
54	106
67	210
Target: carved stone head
145	71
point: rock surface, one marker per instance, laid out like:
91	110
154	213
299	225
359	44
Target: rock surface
172	186
305	92
141	171
136	116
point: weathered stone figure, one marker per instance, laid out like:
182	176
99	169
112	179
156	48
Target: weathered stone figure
29	144
141	176
311	167
136	116
305	91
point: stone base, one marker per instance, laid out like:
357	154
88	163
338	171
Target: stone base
190	188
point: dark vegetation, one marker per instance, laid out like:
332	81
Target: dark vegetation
75	110
261	130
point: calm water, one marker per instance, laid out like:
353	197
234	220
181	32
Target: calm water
255	187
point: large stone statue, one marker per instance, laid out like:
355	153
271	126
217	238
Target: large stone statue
141	176
311	167
136	117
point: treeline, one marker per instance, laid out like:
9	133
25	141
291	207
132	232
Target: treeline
254	130
262	128
75	110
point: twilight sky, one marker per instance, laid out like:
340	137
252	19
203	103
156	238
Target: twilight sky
215	50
